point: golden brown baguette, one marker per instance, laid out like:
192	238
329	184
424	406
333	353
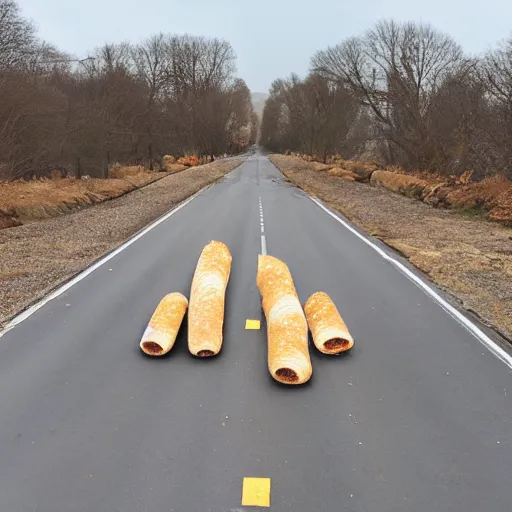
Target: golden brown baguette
287	330
162	329
207	297
329	331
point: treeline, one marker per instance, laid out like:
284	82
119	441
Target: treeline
124	103
401	94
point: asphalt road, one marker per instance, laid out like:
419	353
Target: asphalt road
417	418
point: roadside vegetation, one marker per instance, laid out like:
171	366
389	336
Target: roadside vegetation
489	198
25	200
122	111
22	201
436	123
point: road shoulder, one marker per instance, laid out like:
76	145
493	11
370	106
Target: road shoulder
469	259
40	255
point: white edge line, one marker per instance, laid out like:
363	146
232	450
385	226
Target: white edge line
82	275
453	312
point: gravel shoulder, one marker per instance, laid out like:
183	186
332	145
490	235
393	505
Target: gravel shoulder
40	255
471	259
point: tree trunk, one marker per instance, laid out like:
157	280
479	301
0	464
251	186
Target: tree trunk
150	152
105	173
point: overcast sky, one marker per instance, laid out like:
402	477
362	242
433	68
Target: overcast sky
272	38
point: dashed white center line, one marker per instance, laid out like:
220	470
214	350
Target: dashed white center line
263	245
262	226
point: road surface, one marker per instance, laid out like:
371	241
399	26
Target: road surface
417	418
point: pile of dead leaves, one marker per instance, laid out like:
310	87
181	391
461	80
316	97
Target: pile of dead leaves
189	161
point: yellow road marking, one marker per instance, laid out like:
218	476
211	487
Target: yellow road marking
252	324
256	492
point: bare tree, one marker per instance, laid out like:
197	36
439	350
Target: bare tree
151	62
396	70
497	71
17	37
168	94
313	116
496	75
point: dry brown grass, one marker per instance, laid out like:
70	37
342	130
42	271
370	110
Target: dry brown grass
121	172
363	170
469	258
483	194
502	209
491	197
344	174
38	199
428	176
170	164
318	166
172	168
410	186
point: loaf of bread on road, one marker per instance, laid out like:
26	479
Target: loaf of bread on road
329	331
287	330
207	297
162	329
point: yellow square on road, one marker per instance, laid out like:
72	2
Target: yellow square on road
256	492
252	324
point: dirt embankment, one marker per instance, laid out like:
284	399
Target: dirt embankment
467	256
37	256
490	197
49	197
